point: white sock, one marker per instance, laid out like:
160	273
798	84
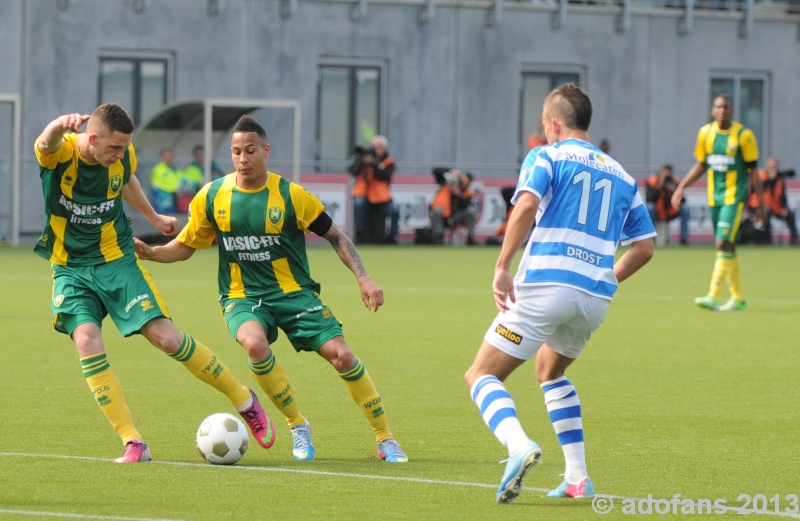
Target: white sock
564	409
499	412
246	405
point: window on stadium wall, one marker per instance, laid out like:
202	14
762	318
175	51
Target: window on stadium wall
534	87
349	112
140	85
749	93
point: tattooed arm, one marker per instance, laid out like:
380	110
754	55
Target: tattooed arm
371	294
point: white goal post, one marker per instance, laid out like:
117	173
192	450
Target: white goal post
16	186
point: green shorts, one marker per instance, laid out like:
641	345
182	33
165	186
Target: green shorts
122	289
726	220
303	317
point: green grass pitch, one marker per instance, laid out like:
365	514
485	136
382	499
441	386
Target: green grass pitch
676	400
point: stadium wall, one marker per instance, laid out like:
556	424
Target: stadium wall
453	83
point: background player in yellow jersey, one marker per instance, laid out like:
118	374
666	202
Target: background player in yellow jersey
87	239
265	282
728	151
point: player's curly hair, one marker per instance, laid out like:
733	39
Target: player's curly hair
577	111
247	124
113	118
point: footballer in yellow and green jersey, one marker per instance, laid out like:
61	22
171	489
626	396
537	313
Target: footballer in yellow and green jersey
261	235
728	155
85	224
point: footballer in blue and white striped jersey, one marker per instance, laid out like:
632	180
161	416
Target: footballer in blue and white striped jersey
589	205
583	205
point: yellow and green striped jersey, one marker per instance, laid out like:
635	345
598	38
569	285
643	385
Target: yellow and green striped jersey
725	152
85	223
262	245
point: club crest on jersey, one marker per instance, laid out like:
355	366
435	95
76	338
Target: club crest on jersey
115	184
58	301
275	215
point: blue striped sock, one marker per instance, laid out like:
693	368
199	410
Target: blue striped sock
498	411
564	409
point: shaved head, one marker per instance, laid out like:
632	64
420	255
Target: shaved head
571	105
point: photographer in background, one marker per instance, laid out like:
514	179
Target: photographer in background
773	181
372	198
453	204
658	196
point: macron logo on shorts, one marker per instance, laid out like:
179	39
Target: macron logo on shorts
506	333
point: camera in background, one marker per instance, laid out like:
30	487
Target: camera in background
360	151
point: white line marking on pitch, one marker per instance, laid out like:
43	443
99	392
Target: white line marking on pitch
36	513
270	469
304	471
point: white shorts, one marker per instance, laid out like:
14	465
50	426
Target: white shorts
561	316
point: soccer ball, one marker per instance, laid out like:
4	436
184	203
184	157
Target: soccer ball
222	439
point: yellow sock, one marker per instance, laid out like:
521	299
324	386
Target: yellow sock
208	367
734	279
269	374
363	391
107	391
719	277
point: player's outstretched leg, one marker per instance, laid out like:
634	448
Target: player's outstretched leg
272	378
201	361
500	414
364	393
564	409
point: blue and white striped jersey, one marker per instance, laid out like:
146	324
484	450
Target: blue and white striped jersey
589	205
